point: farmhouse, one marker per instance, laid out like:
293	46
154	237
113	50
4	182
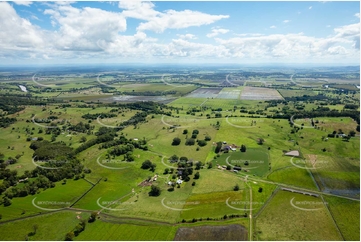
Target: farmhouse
293	153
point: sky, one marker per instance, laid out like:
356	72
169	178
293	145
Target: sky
180	32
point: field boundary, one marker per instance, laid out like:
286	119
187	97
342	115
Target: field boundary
85	193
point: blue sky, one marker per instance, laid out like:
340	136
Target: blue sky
180	32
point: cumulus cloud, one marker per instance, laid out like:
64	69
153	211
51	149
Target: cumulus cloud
25	3
16	32
286	21
87	33
187	36
217	31
351	30
80	29
357	15
138	9
170	19
272	27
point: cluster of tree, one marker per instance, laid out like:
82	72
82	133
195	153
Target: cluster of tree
29	188
13	103
333	113
6	122
138	144
351	106
104	134
137	118
81	127
307	98
195	133
45	150
80	227
123	150
194	220
96	115
150	107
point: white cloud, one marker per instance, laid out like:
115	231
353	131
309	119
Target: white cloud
138	9
169	19
25	3
286	21
272	27
328	26
217	31
172	19
186	36
249	34
337	50
16	32
351	30
357	15
93	34
81	28
310	7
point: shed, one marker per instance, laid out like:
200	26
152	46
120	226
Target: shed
293	153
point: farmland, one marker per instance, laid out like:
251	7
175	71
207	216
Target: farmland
167	155
258	93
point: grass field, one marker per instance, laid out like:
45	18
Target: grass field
258	161
128	212
292	222
53	198
128	232
51	227
347	216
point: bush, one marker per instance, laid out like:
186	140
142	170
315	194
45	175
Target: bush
69	236
176	141
146	164
207	138
196	176
154	191
236	187
202	143
92	217
190	141
195	131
